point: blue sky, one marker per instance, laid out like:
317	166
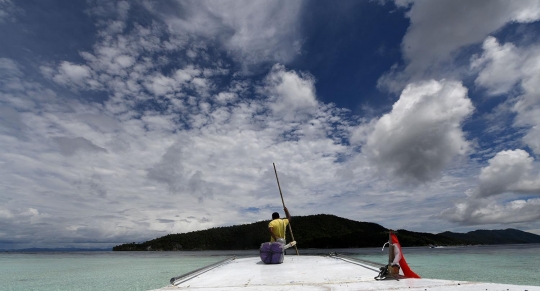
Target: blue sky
124	121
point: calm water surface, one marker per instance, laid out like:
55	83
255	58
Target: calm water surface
510	264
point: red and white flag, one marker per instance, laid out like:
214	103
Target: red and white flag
407	272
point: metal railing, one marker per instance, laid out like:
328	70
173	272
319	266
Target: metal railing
187	276
364	263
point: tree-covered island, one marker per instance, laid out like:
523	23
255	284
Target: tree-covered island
321	231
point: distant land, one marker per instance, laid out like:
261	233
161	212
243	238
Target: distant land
38	250
322	231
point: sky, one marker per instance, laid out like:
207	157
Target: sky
124	121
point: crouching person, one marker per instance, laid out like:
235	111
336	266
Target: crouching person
272	252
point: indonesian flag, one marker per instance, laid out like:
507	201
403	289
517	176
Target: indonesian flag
407	272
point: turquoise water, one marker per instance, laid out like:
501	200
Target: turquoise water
95	271
510	264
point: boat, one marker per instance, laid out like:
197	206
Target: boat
323	272
435	247
310	272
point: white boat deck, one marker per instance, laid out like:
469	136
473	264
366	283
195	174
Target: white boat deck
318	273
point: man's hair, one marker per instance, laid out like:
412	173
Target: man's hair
275	215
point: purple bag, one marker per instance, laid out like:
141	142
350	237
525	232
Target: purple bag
271	252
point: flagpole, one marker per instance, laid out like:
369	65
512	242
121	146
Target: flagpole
283	201
390	247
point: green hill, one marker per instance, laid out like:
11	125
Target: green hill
321	231
506	236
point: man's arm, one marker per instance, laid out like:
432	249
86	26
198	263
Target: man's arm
270	230
287	213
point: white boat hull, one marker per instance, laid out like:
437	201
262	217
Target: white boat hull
318	273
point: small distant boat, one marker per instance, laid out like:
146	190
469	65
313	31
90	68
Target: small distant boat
435	247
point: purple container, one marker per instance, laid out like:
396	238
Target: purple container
271	252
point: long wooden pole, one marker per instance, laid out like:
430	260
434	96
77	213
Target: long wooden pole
283	201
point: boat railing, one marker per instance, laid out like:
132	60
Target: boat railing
187	276
364	263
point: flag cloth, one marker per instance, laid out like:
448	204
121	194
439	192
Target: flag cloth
407	272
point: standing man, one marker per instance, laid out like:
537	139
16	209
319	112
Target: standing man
277	227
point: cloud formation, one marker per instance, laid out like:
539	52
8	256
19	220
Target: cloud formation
513	72
290	94
438	30
485	211
502	68
171	119
422	133
69	146
211	152
510	172
253	32
7	9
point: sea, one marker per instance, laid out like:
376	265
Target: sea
508	264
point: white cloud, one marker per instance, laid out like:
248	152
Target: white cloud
5	214
8	10
422	133
19	93
532	138
100	122
439	29
160	85
493	201
73	76
474	212
291	94
69	146
501	68
224	97
253	31
191	162
170	148
125	61
8	67
509	171
11	122
197	159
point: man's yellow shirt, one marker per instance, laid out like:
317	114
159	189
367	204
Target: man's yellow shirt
278	227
